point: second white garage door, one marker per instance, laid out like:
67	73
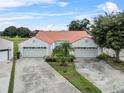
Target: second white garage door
34	52
86	51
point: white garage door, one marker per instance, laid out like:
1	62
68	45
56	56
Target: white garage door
86	52
34	52
3	55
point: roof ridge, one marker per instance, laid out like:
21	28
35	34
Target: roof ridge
61	31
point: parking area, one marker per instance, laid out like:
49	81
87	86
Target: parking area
5	72
101	74
33	75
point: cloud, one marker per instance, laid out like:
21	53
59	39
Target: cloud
19	3
5	24
16	3
89	16
58	14
62	4
18	16
109	7
29	15
51	27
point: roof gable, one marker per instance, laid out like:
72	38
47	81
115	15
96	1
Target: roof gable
52	36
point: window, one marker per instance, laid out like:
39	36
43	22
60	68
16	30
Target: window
34	47
85	48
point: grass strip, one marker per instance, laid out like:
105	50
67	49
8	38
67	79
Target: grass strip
75	78
11	82
111	61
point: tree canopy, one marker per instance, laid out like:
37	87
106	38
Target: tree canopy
23	32
79	25
12	31
108	32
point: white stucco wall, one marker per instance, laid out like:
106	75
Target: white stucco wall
111	52
5	44
34	42
84	42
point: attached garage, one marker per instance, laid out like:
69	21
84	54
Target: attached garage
86	47
33	48
86	51
34	51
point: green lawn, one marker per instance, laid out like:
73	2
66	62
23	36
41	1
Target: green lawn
75	78
16	41
111	61
11	82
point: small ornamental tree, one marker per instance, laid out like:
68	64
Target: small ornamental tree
108	32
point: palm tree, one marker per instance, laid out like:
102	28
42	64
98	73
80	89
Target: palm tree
66	46
63	53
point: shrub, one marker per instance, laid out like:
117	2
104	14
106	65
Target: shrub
87	90
18	55
106	58
50	59
62	53
72	58
102	56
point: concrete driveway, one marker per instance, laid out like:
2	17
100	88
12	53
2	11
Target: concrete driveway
36	76
101	74
5	73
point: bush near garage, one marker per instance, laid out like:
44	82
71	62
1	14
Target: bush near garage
54	59
50	59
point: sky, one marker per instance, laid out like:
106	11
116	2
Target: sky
52	14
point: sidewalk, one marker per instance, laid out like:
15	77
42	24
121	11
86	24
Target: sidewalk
5	73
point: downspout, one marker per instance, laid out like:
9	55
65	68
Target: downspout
8	54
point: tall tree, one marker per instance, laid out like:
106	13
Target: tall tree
108	32
79	25
74	25
10	31
85	24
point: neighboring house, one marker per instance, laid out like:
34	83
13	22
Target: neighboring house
6	50
44	42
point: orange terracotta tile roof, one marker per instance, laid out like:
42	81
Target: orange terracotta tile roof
52	36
